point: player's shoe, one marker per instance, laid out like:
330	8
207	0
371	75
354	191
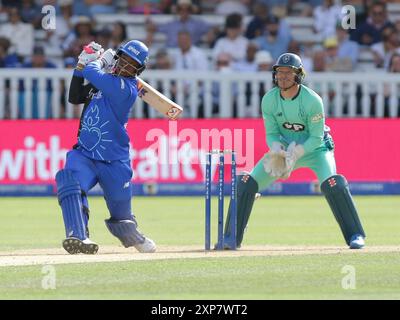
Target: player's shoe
74	246
148	246
228	246
357	242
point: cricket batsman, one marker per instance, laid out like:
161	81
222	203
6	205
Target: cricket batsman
107	85
297	137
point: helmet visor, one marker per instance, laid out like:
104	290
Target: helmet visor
126	66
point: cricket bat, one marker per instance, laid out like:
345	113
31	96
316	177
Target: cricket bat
158	101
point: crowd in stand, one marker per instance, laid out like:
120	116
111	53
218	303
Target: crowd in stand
192	37
193	43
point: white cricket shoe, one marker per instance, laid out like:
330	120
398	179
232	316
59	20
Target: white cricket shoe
75	246
357	242
148	246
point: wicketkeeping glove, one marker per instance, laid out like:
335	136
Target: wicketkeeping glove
293	153
91	52
274	162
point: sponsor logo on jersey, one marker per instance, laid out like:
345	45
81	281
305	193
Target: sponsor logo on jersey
317	117
294	126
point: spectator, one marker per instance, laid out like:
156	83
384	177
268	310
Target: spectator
30	13
394	64
397	26
100	6
302	8
263	61
383	50
11	3
326	17
148	7
225	8
279	8
319	63
103	37
189	57
163	60
7	60
362	8
347	47
274	41
305	53
38	60
248	64
394	67
80	8
370	32
332	60
70	63
118	35
64	25
81	35
234	42
20	34
64	21
256	26
223	65
196	27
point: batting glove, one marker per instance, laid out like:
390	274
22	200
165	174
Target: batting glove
108	59
90	53
293	153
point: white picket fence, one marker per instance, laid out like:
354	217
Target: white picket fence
221	95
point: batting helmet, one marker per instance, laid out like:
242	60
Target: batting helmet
290	60
136	50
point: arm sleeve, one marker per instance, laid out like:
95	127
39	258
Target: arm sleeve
271	126
111	86
77	90
316	121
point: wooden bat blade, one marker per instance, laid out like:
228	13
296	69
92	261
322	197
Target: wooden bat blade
158	101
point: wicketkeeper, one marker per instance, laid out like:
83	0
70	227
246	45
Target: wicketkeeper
297	137
107	85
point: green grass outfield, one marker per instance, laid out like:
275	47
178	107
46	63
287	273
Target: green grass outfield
35	223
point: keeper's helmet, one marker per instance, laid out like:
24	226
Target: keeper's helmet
290	60
136	50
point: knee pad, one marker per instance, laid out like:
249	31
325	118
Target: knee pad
126	231
69	198
247	188
337	193
119	209
67	185
246	184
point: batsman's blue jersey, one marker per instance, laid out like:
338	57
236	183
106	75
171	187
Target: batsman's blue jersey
102	133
